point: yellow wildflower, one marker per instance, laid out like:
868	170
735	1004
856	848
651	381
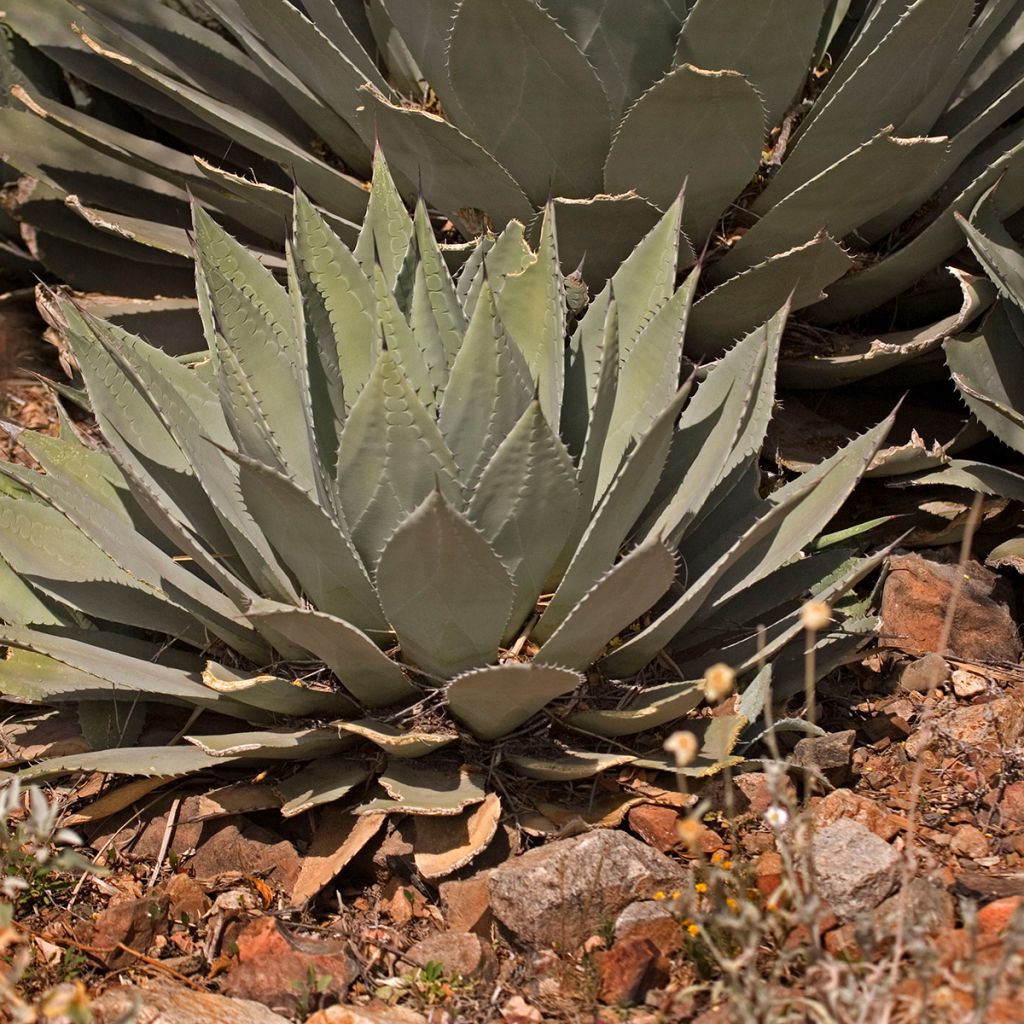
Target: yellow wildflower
693	929
701	887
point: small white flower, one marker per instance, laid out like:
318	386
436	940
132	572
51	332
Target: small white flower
67	837
776	817
11	886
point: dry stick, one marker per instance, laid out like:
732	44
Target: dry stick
810	700
110	842
769	722
99	952
165	842
970	528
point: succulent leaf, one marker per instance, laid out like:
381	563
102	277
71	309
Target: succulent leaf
525	505
713	122
444	590
541	111
629	589
363	669
772	49
488	391
527	689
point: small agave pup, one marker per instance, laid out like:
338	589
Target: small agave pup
386	517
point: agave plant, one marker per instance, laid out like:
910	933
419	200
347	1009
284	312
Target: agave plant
826	153
388	512
987	365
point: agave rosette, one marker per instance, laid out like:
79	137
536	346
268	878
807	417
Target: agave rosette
387	516
827	153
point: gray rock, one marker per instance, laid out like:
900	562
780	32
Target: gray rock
459	953
854	870
969	841
830	754
926	908
925	674
968	684
560	894
160	1002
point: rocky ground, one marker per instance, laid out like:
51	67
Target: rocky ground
875	873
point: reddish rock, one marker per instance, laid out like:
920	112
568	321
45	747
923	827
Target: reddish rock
655	825
518	1011
369	1013
187	899
968	841
711	842
1011	806
842	942
402	902
916	595
768	872
650	919
184	835
992	727
459	953
466	905
758	793
958	946
843	803
275	967
629	969
994	918
134	923
241	846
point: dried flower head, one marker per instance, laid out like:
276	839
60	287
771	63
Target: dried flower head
815	616
690	831
683	746
719	681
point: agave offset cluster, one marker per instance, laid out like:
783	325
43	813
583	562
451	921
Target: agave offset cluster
399	514
826	153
